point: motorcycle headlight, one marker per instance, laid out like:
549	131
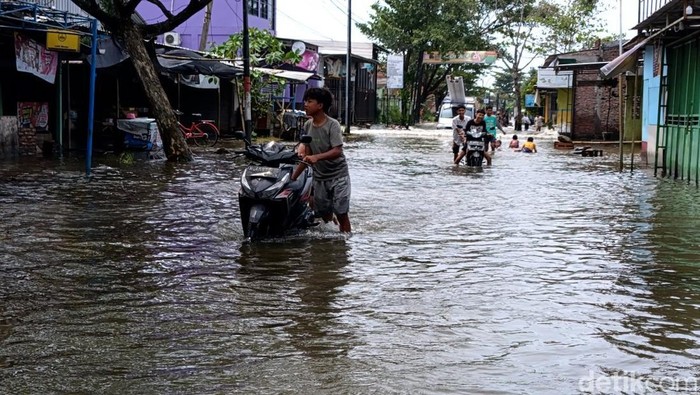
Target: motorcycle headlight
272	190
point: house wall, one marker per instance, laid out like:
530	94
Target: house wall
650	103
632	113
226	19
564	106
682	122
596	101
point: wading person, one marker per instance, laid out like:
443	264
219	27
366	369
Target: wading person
492	127
325	155
459	123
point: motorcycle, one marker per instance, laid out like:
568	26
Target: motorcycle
476	141
270	202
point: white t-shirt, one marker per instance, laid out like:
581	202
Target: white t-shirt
456	137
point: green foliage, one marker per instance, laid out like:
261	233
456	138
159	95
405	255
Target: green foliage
569	25
529	82
265	51
394	116
414	27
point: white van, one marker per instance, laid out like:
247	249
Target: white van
448	110
455	97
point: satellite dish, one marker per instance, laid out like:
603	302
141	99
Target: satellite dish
298	47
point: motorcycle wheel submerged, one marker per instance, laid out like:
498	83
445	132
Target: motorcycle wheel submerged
475	158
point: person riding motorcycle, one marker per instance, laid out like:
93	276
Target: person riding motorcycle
476	130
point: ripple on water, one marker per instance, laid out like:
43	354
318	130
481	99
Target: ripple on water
533	275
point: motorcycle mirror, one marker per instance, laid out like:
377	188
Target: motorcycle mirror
306	139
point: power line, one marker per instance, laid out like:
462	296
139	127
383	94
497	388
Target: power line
345	12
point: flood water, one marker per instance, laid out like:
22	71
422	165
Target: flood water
543	274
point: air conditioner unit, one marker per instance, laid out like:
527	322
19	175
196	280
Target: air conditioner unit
172	38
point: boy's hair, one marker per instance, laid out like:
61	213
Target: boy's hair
515	137
530	139
461	106
321	95
480	111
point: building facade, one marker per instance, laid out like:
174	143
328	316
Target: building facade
214	24
671	106
581	103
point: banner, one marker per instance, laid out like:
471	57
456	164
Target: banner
32	57
394	72
481	57
529	100
547	78
33	115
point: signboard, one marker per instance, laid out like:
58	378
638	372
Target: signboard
481	57
529	100
62	40
548	78
34	115
394	72
32	57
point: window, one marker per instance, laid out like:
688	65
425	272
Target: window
259	8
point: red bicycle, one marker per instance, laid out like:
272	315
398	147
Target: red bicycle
202	131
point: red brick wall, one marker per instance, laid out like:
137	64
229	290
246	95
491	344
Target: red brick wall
596	102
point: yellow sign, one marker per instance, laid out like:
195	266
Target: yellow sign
62	40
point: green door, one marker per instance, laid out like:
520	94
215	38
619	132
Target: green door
681	137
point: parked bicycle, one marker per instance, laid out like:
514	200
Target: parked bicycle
202	131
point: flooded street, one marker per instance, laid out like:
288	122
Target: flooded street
543	274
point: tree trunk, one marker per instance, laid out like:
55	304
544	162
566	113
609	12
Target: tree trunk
517	109
174	144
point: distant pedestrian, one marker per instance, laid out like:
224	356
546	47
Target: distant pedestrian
526	122
539	122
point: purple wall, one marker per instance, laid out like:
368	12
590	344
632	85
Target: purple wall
226	19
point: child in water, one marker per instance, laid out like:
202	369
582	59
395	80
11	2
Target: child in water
514	143
530	145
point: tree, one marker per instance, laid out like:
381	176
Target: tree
569	25
117	18
542	27
265	50
414	27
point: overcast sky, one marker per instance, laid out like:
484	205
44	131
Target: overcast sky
327	19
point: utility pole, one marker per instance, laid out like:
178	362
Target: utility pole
347	70
205	27
246	73
620	108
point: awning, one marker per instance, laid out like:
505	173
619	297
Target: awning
625	62
183	61
289	75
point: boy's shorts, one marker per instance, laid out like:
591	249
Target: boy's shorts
332	196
